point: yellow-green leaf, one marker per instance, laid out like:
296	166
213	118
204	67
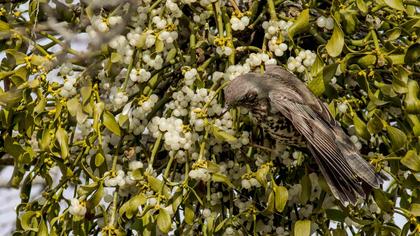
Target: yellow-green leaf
159	45
19	56
411	160
336	43
99	159
302	228
62	138
415	209
164	221
221	178
306	189
4	26
222	135
361	4
300	25
397	137
281	195
11	97
189	215
28	221
396	4
360	127
42	229
111	124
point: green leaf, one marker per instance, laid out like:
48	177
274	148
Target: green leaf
415	209
360	128
189	215
396	4
28	221
217	177
220	225
397	137
361	4
98	109
4	26
302	228
45	139
300	25
164	221
306	189
374	125
335	214
221	135
131	207
413	54
281	196
110	123
62	139
18	56
382	200
115	57
411	102
96	197
10	98
86	91
261	175
157	185
12	147
411	160
367	60
73	106
99	159
159	45
171	55
336	43
42	229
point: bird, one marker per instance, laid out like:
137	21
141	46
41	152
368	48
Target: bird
292	115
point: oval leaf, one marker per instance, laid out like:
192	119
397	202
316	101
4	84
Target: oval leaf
111	124
396	4
336	43
301	23
411	160
164	221
302	228
281	195
397	137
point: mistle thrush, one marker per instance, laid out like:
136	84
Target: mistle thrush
289	112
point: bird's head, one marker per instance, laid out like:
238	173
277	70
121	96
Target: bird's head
245	90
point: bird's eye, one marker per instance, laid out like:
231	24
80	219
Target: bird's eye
248	98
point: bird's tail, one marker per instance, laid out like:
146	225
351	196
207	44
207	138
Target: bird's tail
347	187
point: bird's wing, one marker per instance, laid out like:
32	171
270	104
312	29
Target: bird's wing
339	174
295	90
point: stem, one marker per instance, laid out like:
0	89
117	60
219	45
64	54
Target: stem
317	36
215	94
229	36
57	41
235	6
272	10
375	41
203	146
130	67
155	149
112	220
218	16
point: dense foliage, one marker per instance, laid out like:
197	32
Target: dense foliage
128	137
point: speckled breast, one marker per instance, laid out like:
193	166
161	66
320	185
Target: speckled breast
276	125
